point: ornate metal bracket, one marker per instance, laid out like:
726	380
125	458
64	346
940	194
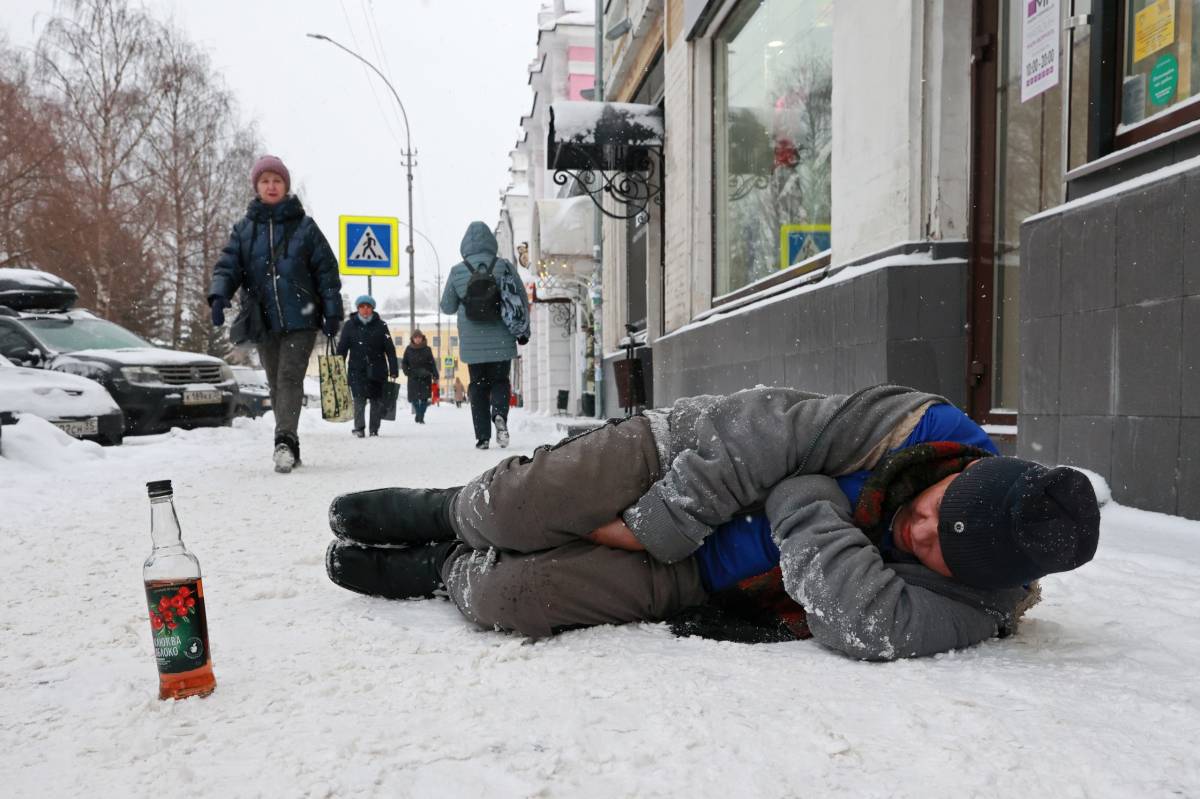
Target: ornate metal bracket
562	314
741	185
634	186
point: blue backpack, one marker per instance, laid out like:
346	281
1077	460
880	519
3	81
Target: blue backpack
512	304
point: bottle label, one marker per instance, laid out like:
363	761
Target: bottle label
178	624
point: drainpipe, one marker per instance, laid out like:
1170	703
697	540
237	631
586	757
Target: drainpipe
598	248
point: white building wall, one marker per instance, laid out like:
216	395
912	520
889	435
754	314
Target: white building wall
686	258
876	125
901	123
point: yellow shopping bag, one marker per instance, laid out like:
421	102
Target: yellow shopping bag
336	405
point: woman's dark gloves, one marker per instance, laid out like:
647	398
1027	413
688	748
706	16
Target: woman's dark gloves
218	304
331	325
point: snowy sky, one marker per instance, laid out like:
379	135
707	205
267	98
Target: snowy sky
459	67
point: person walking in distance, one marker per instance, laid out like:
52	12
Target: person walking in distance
372	360
487	345
420	369
288	277
460	392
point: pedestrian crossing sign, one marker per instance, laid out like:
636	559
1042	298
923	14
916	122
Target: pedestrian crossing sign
370	245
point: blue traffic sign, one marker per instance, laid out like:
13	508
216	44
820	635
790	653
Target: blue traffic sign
369	245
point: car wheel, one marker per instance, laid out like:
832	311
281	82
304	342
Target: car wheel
242	411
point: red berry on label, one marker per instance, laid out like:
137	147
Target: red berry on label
191	602
171	625
185	591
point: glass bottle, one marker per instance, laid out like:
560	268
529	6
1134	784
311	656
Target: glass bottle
175	594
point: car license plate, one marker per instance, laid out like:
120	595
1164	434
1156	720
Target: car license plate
79	427
266	403
201	397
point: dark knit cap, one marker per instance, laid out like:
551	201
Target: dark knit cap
270	163
1005	522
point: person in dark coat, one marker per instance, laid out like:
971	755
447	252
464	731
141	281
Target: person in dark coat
420	368
488	347
288	277
372	360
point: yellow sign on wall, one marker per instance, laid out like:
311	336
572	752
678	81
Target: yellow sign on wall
369	245
1153	28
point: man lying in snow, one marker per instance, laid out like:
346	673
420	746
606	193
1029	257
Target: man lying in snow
894	545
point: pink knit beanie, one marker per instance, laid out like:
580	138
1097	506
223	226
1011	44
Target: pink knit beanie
270	163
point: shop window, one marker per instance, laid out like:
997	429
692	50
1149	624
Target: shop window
454	341
773	82
437	341
1160	64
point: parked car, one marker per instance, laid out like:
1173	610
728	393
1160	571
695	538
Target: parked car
79	407
156	388
254	393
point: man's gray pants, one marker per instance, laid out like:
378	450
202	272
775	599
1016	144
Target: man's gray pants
285	358
524	564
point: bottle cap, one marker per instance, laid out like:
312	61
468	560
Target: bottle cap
159	488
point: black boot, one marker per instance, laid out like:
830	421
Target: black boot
390	573
394	516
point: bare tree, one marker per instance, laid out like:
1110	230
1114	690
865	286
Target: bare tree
29	157
184	145
98	66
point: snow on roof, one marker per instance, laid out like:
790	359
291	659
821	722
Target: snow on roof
579	121
34	278
52	395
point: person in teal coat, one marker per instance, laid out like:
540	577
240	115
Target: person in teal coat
487	347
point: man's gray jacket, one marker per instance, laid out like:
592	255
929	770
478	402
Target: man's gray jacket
783	448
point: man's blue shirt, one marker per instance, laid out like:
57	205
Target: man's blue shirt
743	547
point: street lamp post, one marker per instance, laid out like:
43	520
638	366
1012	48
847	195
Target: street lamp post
408	165
438	302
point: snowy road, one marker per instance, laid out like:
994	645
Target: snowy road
325	693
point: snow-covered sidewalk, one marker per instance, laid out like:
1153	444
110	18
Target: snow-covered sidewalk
322	692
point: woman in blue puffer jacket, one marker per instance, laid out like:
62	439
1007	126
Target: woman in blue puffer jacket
290	289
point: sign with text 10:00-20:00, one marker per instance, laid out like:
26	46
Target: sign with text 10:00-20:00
369	245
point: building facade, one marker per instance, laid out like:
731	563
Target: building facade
862	191
541	227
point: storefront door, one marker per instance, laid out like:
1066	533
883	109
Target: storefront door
1017	154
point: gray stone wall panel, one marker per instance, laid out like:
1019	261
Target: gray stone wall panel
1190	359
1040	268
1148	359
1037	438
1040	365
1088	343
1145	459
1150	243
1089	257
1086	441
1188	486
1191	234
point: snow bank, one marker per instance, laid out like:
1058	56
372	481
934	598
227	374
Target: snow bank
34	443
